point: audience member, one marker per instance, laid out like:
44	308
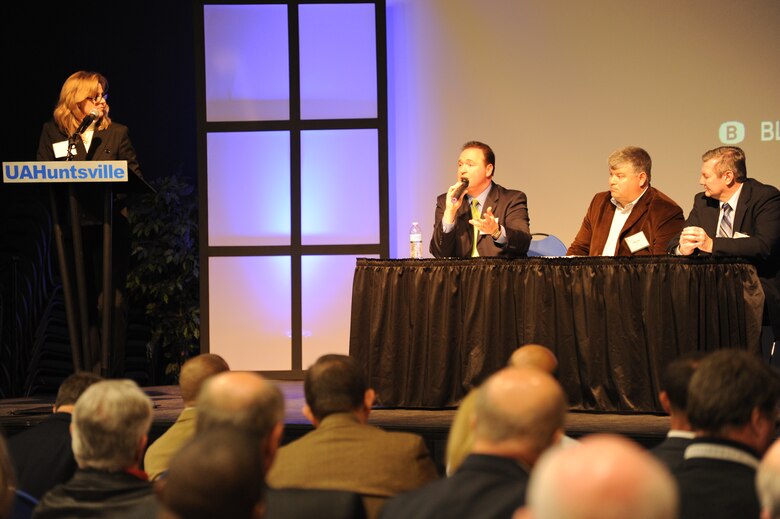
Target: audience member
674	399
246	402
344	452
493	221
732	401
605	477
632	218
461	435
768	483
194	373
519	414
217	474
111	421
7	481
42	455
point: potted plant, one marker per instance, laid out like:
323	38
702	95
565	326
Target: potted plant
163	277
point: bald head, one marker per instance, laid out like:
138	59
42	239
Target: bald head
768	482
605	477
242	400
534	356
519	413
194	373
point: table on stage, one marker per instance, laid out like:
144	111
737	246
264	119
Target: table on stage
427	331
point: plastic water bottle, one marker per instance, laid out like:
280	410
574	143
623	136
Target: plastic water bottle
415	241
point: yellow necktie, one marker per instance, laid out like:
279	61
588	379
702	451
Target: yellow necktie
475	216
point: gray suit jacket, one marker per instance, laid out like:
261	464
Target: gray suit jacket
511	208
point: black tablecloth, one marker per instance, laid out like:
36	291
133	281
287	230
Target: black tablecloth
426	331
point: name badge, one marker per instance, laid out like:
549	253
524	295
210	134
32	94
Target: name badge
637	242
60	149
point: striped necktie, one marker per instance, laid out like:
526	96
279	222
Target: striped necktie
475	216
725	229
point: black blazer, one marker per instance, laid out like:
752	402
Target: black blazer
671	451
511	208
42	455
113	143
484	487
758	216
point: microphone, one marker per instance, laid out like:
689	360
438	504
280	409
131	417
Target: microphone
461	188
91	116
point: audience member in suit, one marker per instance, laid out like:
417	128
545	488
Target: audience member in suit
632	218
42	455
218	473
768	483
674	399
461	436
194	373
519	414
754	216
503	226
7	481
111	421
732	401
605	477
344	452
252	405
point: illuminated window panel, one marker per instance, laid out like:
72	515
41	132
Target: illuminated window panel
327	292
249	310
339	187
337	61
247	62
249	188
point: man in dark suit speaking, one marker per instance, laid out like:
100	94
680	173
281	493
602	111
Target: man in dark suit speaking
476	216
736	216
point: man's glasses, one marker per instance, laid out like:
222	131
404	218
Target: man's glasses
98	97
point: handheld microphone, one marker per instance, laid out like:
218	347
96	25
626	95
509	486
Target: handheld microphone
461	188
91	116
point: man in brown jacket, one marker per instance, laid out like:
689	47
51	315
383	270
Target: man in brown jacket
632	218
344	452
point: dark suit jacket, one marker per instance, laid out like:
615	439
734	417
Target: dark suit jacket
344	454
713	488
113	143
670	452
99	494
305	503
758	216
42	455
484	487
511	208
655	214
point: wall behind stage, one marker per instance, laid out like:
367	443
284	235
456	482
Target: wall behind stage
554	86
146	50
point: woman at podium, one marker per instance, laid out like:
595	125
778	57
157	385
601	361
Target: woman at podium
81	129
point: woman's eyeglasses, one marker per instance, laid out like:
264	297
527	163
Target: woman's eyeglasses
98	97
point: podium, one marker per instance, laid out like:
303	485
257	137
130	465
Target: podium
108	178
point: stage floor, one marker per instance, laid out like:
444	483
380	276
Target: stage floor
433	425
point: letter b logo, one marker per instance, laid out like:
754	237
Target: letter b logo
732	132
